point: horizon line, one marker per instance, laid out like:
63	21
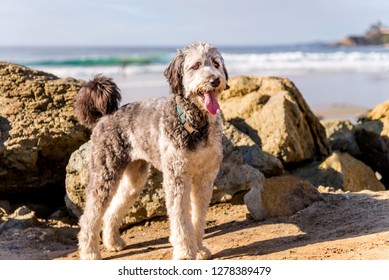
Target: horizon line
159	45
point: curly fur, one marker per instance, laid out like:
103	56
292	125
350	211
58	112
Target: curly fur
96	98
126	140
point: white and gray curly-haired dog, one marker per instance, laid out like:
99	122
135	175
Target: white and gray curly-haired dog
180	135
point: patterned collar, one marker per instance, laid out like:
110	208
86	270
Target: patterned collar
199	132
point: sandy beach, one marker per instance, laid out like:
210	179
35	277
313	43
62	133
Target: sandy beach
316	232
337	228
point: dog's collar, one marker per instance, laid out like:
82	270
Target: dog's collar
192	131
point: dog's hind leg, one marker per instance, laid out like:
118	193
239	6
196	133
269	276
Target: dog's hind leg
131	184
106	168
97	201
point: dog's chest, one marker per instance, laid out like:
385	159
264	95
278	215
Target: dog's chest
207	155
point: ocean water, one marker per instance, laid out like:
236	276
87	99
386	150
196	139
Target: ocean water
327	77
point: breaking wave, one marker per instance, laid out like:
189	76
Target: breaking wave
309	61
84	62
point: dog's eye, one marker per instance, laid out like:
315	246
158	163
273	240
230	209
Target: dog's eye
216	64
196	66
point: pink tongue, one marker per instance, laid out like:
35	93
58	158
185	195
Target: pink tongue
211	103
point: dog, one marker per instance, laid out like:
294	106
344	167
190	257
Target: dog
180	135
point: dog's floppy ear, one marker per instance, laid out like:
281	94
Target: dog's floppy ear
174	73
225	73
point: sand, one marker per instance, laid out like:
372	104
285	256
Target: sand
345	226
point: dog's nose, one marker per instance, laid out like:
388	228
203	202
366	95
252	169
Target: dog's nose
215	82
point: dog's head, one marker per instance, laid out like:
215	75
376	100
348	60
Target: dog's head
198	73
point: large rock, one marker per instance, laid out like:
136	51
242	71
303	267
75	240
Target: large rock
363	141
374	151
280	196
38	130
381	114
274	114
235	176
252	154
341	135
372	137
341	171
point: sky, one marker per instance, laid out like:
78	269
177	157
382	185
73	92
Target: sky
175	22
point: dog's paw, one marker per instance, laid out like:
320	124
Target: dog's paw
90	256
203	254
114	243
184	255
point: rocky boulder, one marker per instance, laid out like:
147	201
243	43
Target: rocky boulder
381	114
341	135
374	151
38	129
280	196
365	141
235	174
275	115
251	153
372	137
340	171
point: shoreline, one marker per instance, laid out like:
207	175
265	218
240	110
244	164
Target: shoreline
337	111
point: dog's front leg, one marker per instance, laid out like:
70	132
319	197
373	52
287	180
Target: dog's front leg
200	198
177	191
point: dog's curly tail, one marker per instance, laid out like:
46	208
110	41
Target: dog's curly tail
98	97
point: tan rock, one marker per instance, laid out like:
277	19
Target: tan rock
380	113
281	196
356	175
38	128
363	141
274	114
340	134
252	154
235	174
340	171
372	136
